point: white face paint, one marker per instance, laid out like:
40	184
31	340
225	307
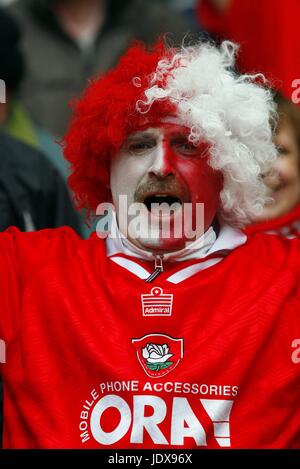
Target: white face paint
159	165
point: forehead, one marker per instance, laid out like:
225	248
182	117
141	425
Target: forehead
163	130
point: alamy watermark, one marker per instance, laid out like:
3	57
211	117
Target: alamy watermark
296	353
2	92
2	351
163	220
296	92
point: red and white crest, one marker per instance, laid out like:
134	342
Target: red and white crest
158	353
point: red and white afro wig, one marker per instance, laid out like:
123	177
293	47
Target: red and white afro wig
196	83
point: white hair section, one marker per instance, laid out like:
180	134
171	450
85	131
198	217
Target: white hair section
231	112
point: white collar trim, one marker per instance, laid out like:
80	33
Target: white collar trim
229	238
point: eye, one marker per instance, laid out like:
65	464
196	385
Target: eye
282	150
185	147
139	147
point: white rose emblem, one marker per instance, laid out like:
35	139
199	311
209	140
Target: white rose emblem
157	356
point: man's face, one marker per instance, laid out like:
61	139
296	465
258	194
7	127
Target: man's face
158	167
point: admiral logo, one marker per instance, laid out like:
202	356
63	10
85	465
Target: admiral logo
158	353
157	303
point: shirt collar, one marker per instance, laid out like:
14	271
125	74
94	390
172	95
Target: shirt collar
228	239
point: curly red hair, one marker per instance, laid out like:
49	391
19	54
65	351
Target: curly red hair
103	118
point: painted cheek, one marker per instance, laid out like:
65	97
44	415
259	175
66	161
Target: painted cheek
204	185
200	178
125	176
291	167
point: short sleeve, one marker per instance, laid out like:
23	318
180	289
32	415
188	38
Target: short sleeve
10	285
22	255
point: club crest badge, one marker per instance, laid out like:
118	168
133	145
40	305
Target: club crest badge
157	303
158	354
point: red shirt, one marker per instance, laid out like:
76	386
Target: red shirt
288	225
98	358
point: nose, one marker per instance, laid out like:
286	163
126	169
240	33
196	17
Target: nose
163	161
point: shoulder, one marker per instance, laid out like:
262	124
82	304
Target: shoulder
30	252
274	251
53	241
287	225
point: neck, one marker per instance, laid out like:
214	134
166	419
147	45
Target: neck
78	8
196	249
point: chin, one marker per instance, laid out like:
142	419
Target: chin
161	246
276	210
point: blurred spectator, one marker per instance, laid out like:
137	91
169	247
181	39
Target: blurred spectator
67	41
6	2
186	7
283	214
32	193
14	119
268	33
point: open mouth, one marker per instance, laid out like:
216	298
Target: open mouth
154	202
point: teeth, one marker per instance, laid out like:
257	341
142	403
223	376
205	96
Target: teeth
160	200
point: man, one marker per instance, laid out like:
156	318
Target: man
176	331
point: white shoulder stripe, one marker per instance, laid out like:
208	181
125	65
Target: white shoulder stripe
131	266
175	278
191	270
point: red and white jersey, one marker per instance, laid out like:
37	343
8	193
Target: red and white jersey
288	225
98	358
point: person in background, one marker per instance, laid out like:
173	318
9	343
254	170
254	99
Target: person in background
14	119
16	122
282	214
268	34
185	7
67	41
33	195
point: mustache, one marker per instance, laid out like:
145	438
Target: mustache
168	185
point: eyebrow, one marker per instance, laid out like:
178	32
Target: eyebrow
137	135
153	133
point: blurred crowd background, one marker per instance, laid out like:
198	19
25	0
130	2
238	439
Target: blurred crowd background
50	48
